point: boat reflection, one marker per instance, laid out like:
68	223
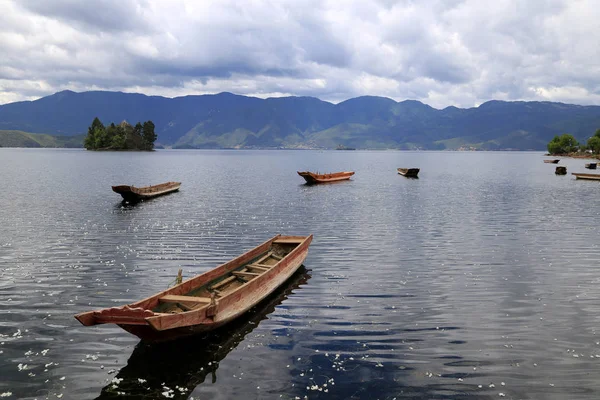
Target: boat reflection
183	364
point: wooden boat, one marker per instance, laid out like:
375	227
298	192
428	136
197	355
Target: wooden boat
589	177
409	172
591	165
192	359
560	170
551	161
209	300
132	193
311	177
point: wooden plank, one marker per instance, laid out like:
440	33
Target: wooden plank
222	283
263	258
257	268
172	298
276	257
245	274
264	267
288	241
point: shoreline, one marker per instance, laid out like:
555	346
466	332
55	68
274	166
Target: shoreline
575	155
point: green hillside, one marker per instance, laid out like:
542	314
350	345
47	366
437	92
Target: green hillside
11	138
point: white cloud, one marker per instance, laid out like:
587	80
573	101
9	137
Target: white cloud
441	52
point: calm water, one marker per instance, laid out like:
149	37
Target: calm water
480	279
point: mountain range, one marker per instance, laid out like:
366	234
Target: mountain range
227	120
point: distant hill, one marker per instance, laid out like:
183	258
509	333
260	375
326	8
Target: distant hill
11	138
226	120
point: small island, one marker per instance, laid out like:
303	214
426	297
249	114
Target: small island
140	137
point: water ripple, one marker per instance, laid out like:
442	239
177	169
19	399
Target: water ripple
477	279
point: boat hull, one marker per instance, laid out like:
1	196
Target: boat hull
409	172
312	178
551	161
140	319
589	177
132	193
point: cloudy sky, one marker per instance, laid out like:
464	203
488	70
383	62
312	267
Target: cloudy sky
441	52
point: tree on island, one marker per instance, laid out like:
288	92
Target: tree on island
593	143
120	137
563	144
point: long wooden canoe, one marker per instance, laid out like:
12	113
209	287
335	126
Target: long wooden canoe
551	161
209	300
409	172
191	359
132	193
590	177
311	177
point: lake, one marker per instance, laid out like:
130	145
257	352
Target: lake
480	279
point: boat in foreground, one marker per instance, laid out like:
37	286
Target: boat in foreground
551	161
589	177
311	177
132	193
209	300
409	172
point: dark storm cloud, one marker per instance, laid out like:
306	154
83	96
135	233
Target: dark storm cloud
442	52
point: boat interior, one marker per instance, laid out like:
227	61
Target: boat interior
155	188
208	292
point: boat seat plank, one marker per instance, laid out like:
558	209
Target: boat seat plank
172	298
257	268
263	258
244	274
288	241
222	283
276	257
261	266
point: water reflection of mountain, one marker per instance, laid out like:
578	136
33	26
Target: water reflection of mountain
181	365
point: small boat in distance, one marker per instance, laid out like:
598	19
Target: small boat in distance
209	300
551	161
409	172
561	170
311	177
591	165
589	177
133	194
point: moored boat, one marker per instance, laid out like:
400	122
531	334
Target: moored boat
209	300
591	165
192	359
561	170
589	177
551	161
409	172
132	193
311	177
